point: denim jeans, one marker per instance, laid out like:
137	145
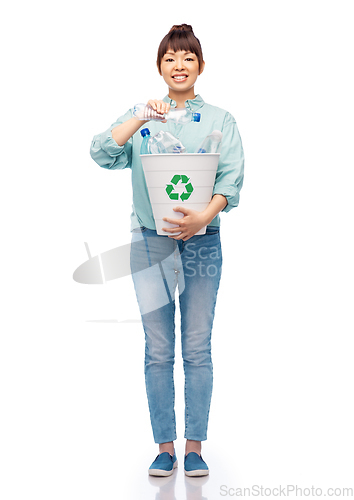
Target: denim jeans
158	265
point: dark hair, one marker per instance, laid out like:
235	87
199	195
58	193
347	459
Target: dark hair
180	37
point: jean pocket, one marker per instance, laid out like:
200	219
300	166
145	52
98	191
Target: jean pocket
212	230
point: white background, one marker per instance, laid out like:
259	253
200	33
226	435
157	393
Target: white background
74	417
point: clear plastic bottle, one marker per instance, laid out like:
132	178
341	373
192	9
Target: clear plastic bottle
145	145
211	143
176	115
164	142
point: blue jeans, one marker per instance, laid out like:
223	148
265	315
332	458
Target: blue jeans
158	264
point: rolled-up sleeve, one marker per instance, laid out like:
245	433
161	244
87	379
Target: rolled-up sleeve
229	175
106	152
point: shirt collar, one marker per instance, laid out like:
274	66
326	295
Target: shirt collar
192	104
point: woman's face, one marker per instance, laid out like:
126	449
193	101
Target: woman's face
180	69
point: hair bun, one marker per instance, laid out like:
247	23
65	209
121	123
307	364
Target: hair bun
181	27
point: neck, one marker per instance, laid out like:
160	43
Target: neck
181	97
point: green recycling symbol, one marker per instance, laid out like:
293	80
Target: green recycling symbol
175	180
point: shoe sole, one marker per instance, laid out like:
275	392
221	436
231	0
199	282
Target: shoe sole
161	472
198	472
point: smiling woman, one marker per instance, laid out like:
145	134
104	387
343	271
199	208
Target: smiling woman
180	62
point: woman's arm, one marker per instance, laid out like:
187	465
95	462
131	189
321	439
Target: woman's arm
229	175
123	132
217	203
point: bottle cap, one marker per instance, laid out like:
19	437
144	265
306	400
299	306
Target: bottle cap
217	133
196	117
145	132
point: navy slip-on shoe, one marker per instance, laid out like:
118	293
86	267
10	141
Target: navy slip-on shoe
163	465
194	465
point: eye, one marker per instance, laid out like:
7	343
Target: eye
189	59
169	59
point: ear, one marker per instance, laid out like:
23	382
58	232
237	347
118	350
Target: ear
158	68
201	69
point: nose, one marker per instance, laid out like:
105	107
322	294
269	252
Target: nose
179	64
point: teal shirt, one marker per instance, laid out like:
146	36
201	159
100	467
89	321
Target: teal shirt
229	176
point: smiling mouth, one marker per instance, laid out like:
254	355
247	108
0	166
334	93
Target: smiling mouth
180	78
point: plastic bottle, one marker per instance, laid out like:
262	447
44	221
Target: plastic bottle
176	115
145	145
164	142
211	143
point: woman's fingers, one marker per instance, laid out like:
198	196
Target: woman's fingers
160	107
152	104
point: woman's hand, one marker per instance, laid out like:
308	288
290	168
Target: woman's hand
160	107
188	225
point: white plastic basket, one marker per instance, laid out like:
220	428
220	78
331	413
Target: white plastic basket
179	179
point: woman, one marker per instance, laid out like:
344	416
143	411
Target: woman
195	260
